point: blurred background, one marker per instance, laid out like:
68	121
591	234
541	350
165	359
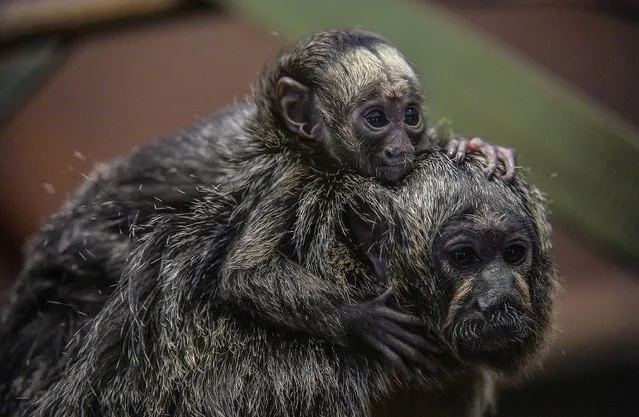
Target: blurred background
84	81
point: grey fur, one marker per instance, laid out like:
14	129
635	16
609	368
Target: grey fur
272	276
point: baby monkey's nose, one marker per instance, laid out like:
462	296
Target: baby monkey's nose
396	154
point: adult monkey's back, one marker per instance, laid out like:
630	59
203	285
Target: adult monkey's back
180	338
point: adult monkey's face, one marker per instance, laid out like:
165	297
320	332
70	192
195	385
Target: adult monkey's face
488	257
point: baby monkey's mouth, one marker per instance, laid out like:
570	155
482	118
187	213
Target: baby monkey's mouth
394	172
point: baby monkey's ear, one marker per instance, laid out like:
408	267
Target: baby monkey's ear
367	231
295	105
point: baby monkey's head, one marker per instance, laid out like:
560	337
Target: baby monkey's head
353	99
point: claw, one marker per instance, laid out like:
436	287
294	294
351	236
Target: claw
462	149
508	157
489	150
451	148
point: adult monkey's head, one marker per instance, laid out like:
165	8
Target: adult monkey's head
471	254
351	98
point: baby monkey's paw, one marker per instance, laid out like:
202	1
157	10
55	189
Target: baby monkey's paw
404	340
459	147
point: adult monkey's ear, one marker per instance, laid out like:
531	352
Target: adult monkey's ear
367	231
296	107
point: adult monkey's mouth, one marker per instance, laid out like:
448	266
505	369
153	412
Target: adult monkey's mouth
501	340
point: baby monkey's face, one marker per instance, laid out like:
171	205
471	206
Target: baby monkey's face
372	111
487	261
390	129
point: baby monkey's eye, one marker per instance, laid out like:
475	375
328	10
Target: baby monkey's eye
463	257
376	118
411	116
514	254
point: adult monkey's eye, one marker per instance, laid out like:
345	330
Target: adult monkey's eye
411	116
514	254
376	118
463	257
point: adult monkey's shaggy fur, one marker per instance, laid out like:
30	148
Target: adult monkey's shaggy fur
340	100
182	337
